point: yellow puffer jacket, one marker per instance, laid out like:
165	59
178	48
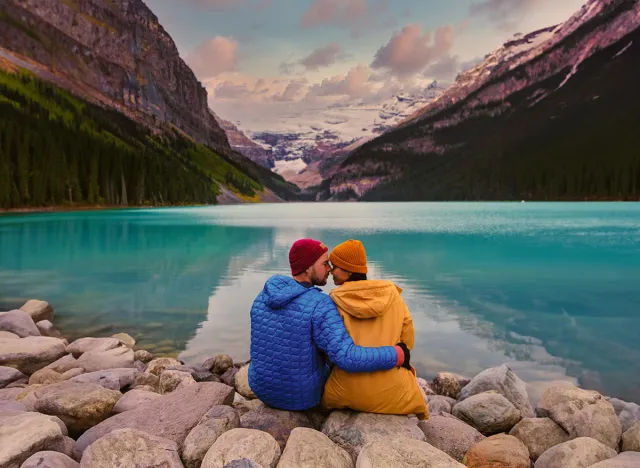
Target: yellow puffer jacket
375	315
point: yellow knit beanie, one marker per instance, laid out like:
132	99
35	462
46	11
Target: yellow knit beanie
350	256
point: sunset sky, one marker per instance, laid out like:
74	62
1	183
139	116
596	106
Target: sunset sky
261	59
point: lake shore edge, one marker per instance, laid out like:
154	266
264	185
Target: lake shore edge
80	402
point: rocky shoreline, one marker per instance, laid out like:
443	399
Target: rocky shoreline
100	402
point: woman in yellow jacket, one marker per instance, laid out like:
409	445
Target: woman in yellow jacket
374	314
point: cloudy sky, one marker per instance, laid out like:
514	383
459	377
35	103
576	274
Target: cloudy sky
263	59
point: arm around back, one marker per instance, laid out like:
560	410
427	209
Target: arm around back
330	334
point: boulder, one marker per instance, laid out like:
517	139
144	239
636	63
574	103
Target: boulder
9	375
18	323
624	460
241	383
242	405
144	356
504	381
256	446
79	405
278	423
351	430
216	422
8	405
243	463
63	364
577	453
581	413
114	379
25	434
308	448
158	366
172	379
229	376
10	394
403	453
539	435
46	328
116	358
489	413
425	386
171	416
47	376
8	335
134	399
498	451
446	384
30	354
38	310
86	345
439	403
131	448
125	339
203	375
631	439
628	413
148	380
447	433
218	364
50	459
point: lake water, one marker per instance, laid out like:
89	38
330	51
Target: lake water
551	289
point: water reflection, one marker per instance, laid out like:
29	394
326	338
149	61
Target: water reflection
550	289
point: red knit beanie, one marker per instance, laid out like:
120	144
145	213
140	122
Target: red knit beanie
304	253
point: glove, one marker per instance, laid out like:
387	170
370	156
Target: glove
402	348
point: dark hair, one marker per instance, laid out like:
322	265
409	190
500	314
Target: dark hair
357	277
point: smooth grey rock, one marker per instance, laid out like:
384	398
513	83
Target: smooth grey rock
243	463
114	379
447	433
278	423
38	310
308	448
489	413
48	376
581	413
116	358
50	459
628	413
86	345
236	444
439	403
134	399
18	323
8	335
229	376
216	422
31	353
504	381
129	448
624	460
539	435
46	328
631	439
9	375
403	453
577	453
171	417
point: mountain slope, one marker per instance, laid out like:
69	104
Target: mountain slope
115	55
554	121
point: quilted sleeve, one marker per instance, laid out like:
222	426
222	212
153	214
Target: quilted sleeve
332	337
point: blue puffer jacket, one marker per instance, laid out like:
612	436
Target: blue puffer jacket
291	327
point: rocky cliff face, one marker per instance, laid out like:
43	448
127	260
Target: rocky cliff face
111	51
533	89
252	150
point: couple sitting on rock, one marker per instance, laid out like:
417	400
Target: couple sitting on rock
346	350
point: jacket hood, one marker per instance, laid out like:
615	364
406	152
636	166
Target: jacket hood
280	290
365	299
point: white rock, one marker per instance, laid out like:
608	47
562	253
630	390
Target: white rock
46	328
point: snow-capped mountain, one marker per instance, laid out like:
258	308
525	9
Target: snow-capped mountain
304	148
549	115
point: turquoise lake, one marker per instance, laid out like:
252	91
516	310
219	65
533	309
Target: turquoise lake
551	289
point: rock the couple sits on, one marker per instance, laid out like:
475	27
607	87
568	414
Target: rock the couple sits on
349	349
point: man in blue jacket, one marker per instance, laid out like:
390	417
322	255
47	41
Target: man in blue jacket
294	325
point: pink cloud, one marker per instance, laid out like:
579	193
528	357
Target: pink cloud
230	90
322	57
213	57
411	51
291	92
354	84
